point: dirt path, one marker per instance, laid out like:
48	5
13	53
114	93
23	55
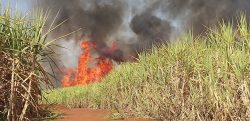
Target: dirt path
80	114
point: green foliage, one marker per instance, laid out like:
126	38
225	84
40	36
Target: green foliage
202	78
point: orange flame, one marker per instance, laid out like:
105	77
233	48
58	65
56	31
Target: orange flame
84	75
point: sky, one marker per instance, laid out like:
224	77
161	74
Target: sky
21	5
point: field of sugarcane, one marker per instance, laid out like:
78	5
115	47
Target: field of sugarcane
206	77
22	49
202	78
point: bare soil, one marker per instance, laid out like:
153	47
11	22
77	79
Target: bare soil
81	114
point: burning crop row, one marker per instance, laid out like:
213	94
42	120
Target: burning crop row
196	78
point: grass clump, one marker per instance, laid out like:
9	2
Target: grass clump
194	78
22	48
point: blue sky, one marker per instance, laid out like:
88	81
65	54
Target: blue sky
22	5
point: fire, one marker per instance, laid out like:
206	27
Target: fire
84	74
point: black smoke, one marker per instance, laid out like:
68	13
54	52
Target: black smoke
136	25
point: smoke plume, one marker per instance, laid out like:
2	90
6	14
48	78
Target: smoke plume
136	25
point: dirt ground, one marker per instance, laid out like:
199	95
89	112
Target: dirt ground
80	114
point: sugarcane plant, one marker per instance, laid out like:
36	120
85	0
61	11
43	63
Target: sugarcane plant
23	47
